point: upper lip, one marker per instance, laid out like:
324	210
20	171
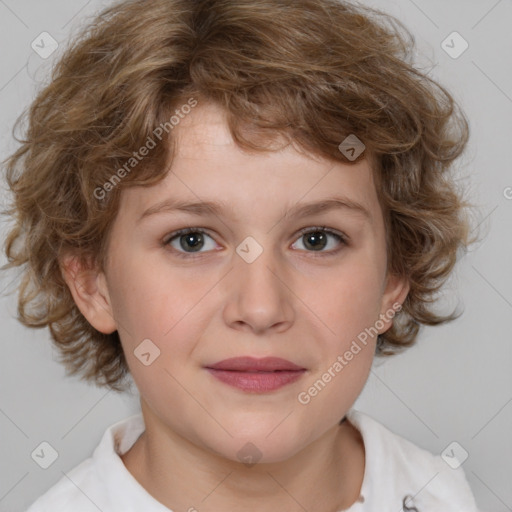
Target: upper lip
252	364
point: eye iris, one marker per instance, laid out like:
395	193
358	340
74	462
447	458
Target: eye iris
315	240
194	239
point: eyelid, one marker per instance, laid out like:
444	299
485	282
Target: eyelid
342	237
302	231
180	232
184	231
345	238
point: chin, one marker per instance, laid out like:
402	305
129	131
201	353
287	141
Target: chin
257	449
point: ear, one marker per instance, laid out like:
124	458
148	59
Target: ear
89	289
395	293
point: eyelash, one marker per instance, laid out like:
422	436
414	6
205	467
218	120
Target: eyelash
343	239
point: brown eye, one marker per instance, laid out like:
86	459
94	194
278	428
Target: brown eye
194	241
189	241
318	238
315	240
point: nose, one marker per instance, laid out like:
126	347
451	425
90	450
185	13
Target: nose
259	296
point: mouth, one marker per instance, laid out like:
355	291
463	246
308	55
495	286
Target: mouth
256	375
253	364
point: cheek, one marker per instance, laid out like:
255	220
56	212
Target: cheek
163	305
146	296
346	299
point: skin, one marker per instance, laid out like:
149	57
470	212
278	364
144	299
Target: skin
292	302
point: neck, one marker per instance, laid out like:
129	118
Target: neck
326	476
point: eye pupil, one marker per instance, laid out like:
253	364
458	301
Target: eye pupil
194	239
315	240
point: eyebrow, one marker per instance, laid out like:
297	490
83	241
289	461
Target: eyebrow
204	208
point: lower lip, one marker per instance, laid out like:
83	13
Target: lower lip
257	381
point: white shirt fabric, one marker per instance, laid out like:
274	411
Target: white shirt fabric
395	470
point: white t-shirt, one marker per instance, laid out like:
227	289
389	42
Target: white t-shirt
398	476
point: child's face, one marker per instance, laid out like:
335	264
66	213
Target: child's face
304	305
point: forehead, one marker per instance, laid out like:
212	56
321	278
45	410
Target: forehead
208	166
205	124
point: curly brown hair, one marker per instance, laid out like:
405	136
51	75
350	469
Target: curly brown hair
314	71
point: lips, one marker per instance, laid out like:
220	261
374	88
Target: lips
256	375
251	364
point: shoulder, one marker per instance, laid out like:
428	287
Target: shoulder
74	491
91	485
398	471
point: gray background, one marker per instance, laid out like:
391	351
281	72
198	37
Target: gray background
454	385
